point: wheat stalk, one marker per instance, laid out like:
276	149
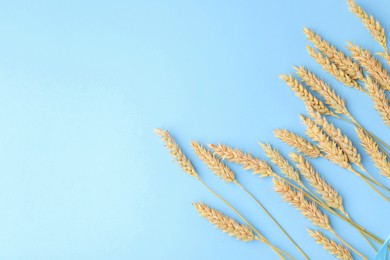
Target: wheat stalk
305	95
298	142
332	69
224	223
335	56
324	90
372	25
371	147
371	65
335	134
286	168
214	164
329	147
176	153
298	200
247	161
338	250
378	96
328	194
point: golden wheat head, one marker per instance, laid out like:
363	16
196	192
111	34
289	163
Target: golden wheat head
298	142
176	153
378	96
338	250
224	223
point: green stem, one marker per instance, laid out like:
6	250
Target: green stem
272	218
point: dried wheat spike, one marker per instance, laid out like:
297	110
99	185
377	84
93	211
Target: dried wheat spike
378	96
371	147
328	194
338	250
324	90
247	161
305	95
214	164
176	153
286	168
335	56
298	142
330	148
298	200
372	25
371	65
336	135
333	70
224	223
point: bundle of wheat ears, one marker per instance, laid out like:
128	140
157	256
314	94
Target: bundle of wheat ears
299	184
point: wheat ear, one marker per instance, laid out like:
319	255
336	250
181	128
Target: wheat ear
176	153
372	25
338	250
323	89
335	56
371	65
332	69
329	147
214	164
285	167
301	92
378	96
298	142
371	147
247	161
298	200
224	223
328	194
336	135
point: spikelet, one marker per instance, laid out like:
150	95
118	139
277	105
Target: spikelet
214	164
324	90
372	25
328	194
305	95
335	56
286	168
298	200
247	161
329	147
378	96
371	65
176	153
336	135
338	250
332	69
224	223
371	147
298	142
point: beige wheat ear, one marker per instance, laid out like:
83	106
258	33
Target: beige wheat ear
336	135
285	167
324	90
247	161
371	147
298	200
176	153
371	65
328	194
378	96
298	142
305	95
372	25
333	70
224	223
329	147
335	56
338	250
214	164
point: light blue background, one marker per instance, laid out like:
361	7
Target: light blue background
84	83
